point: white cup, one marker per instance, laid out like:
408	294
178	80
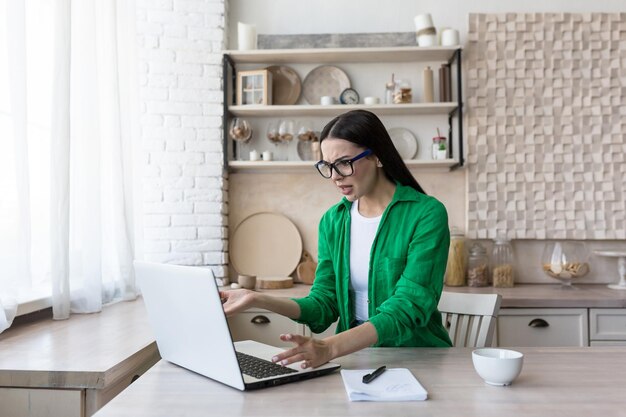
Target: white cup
427	40
371	100
254	155
246	36
327	100
450	37
267	156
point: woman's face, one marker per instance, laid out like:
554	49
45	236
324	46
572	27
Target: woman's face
365	175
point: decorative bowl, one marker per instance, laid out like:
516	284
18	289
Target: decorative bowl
565	261
497	366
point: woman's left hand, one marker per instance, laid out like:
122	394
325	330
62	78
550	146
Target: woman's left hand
313	352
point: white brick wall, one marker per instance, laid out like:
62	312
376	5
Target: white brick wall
185	191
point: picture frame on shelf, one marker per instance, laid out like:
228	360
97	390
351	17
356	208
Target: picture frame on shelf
254	87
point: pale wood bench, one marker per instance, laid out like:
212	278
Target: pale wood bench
73	367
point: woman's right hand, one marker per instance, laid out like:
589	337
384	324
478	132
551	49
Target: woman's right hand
236	301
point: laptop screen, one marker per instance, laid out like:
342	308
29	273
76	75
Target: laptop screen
186	315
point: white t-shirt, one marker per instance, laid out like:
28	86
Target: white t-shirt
362	234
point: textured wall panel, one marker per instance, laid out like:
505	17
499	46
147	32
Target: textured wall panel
546	114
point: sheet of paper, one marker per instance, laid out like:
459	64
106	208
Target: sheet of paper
395	384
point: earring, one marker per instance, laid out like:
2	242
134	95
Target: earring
379	164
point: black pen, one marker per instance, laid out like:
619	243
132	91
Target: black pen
370	377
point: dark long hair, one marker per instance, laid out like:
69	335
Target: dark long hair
365	129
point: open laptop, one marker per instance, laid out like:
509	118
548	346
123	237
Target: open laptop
191	330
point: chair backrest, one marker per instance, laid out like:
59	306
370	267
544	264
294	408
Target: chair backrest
469	318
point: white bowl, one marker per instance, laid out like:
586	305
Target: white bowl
497	366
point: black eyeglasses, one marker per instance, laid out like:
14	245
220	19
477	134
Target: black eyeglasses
343	167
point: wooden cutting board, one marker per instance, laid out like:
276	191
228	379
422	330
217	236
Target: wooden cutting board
265	245
305	271
274	283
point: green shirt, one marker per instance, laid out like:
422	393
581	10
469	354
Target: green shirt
407	263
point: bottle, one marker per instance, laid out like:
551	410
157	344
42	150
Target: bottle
445	83
477	266
455	270
389	89
429	89
502	263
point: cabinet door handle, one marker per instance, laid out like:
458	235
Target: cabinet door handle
538	323
260	320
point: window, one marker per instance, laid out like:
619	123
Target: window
25	109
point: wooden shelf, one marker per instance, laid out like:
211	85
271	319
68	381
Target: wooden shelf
334	55
336	109
273	167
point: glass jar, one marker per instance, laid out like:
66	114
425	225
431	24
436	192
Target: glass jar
502	263
403	92
455	269
477	266
440	148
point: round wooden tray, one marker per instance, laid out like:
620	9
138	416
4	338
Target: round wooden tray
266	245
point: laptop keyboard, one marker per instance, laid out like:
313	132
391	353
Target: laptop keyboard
260	368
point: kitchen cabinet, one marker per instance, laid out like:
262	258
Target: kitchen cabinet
74	367
266	327
593	315
328	332
27	402
546	315
263	326
368	64
607	326
542	327
561	327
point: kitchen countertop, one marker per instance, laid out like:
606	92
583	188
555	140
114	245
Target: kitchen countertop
84	351
523	295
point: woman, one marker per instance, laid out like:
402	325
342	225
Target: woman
382	253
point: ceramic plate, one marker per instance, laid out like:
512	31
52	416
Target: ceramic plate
266	245
286	85
404	141
325	80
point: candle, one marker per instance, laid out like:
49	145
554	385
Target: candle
246	36
254	155
450	37
267	156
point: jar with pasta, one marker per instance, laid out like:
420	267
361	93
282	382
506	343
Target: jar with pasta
402	93
455	269
502	263
477	266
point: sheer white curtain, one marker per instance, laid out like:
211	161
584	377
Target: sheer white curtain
66	227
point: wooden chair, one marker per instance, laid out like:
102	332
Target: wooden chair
470	318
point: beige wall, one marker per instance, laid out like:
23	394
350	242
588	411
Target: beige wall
304	197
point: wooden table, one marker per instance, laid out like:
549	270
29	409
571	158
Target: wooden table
73	367
554	382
